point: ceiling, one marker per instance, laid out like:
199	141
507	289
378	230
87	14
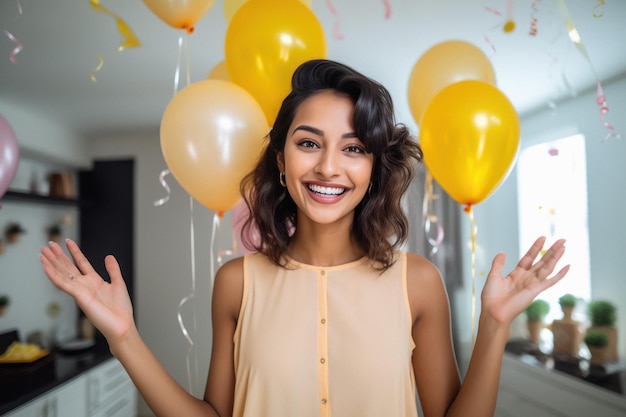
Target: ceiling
61	40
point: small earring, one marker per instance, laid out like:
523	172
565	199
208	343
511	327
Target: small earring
369	189
281	179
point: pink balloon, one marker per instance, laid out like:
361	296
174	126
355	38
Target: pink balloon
240	214
9	155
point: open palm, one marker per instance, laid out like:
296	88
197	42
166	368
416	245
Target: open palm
505	297
106	305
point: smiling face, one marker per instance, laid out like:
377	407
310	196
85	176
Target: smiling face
326	167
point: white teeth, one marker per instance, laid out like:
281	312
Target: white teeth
326	190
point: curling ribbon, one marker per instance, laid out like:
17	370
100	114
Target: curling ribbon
574	36
387	5
129	41
598	9
430	221
533	17
473	233
182	47
164	184
336	31
92	74
18	45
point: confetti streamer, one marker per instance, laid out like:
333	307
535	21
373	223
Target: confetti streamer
507	27
336	30
129	38
92	74
430	221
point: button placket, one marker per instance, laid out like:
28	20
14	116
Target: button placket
322	342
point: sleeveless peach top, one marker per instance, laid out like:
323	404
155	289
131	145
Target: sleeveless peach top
324	341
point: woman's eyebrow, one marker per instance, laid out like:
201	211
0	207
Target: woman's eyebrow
320	132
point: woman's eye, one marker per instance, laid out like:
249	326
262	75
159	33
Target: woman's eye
355	148
307	144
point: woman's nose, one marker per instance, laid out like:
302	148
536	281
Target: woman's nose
328	165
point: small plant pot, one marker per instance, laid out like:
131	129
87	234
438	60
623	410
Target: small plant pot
54	237
611	349
599	355
3	309
534	330
12	238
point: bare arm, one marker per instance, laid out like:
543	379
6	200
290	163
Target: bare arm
502	299
108	307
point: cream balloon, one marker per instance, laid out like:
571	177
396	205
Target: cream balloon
212	134
180	14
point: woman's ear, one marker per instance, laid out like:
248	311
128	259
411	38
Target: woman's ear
280	161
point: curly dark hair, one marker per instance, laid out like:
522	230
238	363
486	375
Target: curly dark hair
380	225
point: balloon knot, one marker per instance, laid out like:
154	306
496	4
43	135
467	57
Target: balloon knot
468	208
189	29
220	214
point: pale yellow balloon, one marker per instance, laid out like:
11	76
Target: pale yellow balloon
444	64
180	14
212	134
231	7
219	72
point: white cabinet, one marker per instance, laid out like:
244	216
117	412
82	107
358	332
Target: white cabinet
69	399
110	391
104	391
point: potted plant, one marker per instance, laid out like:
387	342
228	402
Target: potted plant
536	312
603	314
4	303
597	341
566	332
567	303
54	233
13	232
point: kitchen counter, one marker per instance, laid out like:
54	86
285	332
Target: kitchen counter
22	383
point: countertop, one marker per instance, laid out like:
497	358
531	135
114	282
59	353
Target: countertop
20	384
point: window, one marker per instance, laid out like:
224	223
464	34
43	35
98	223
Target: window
552	193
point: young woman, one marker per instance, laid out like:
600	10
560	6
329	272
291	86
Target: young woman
329	317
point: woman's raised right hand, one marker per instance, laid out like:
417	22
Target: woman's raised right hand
106	305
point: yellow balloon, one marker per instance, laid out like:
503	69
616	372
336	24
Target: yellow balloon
212	134
219	72
265	42
231	6
470	138
444	64
180	14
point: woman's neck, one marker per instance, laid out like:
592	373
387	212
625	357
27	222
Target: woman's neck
323	245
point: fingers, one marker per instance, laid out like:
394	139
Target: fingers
79	258
113	268
498	264
529	257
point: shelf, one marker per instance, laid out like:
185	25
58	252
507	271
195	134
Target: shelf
23	196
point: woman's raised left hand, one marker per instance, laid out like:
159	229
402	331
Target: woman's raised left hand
505	297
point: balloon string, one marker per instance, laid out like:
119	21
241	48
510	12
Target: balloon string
18	45
216	228
129	39
336	30
574	36
473	233
184	301
164	184
182	47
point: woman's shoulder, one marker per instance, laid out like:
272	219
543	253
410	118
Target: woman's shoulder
424	283
418	266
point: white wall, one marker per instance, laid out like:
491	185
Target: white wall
496	217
